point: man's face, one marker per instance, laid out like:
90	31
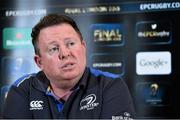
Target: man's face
63	54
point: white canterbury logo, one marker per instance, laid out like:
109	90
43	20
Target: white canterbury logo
36	105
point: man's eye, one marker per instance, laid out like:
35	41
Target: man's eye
54	49
70	44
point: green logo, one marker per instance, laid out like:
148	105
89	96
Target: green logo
17	38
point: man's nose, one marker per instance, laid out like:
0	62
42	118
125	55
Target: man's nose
64	53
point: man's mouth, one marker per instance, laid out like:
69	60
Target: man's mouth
68	66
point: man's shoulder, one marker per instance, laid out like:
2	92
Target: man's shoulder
105	78
24	80
104	74
107	81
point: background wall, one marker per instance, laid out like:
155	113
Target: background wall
138	40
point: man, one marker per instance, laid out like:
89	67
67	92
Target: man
65	88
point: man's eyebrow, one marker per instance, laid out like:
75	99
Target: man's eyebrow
70	38
52	42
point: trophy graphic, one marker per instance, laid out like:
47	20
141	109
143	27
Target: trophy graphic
154	88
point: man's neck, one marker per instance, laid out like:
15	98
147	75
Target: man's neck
60	88
61	93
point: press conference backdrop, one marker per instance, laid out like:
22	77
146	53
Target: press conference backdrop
139	40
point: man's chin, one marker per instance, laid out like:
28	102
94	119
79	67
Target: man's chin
70	77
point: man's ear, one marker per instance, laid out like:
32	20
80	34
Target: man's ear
37	60
83	43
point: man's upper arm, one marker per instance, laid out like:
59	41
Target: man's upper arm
16	104
117	100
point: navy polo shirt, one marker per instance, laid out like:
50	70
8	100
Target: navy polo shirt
97	95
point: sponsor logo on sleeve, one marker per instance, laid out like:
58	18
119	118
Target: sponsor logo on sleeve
125	116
